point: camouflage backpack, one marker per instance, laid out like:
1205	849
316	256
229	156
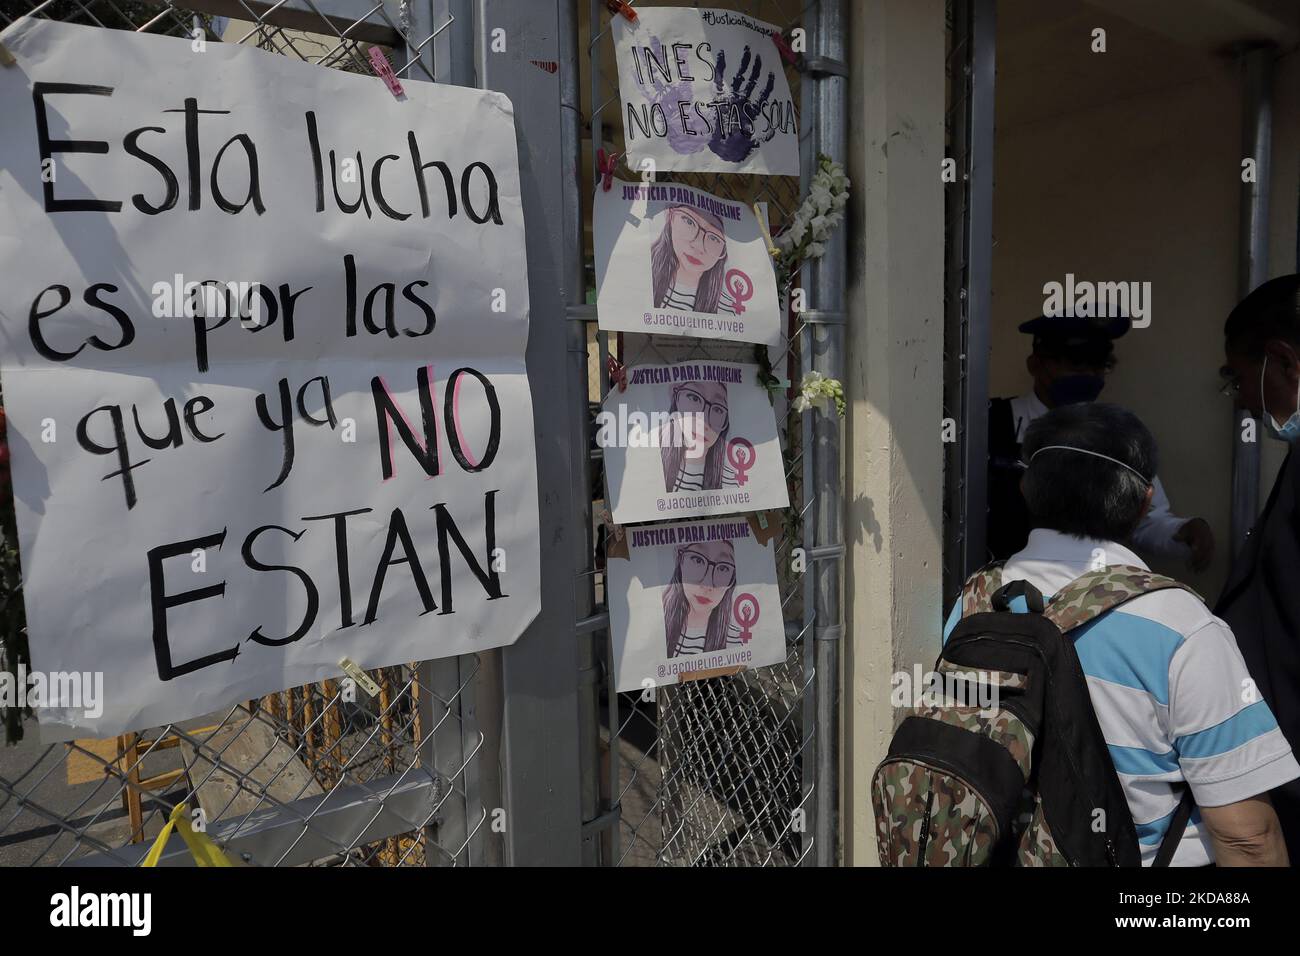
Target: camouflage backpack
1005	764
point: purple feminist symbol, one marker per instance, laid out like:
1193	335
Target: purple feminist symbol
740	287
741	455
745	610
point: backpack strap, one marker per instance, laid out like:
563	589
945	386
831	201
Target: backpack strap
977	593
1093	593
1174	835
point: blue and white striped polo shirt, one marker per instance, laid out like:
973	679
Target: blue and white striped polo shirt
1171	692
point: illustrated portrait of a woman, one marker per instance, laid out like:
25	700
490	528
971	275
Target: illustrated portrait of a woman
693	444
688	262
697	601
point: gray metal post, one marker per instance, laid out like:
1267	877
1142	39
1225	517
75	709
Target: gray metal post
540	672
608	849
1252	263
579	504
824	100
969	288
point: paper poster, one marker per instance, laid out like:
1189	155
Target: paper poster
692	597
675	260
263	363
692	438
704	91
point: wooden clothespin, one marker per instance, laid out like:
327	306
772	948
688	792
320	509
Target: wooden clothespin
621	8
616	545
765	525
384	70
617	372
606	163
6	58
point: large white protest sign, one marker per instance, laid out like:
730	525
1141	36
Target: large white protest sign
217	501
692	597
691	438
676	260
705	91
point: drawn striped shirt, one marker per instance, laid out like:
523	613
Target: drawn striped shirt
690	643
684	301
690	475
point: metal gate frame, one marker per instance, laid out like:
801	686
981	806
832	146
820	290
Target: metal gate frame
823	99
968	287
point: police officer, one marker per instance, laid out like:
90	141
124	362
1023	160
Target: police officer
1070	359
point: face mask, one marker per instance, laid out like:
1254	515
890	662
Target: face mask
1289	430
1072	389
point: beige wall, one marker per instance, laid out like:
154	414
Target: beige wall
1126	166
893	380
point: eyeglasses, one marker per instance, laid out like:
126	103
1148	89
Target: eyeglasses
696	569
714	243
693	403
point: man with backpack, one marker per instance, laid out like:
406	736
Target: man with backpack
1125	728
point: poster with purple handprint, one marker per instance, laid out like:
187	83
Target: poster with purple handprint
692	598
673	260
705	90
690	438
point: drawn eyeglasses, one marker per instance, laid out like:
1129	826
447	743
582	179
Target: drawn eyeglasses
714	243
693	403
697	569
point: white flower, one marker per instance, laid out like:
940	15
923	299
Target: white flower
818	391
822	210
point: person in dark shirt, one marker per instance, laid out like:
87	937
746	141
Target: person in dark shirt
1070	359
1261	600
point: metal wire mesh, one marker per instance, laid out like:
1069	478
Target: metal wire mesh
317	775
711	772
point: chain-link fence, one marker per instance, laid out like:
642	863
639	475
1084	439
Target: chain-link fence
725	771
716	772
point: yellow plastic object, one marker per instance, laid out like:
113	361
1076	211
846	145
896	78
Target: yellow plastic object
202	848
772	250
